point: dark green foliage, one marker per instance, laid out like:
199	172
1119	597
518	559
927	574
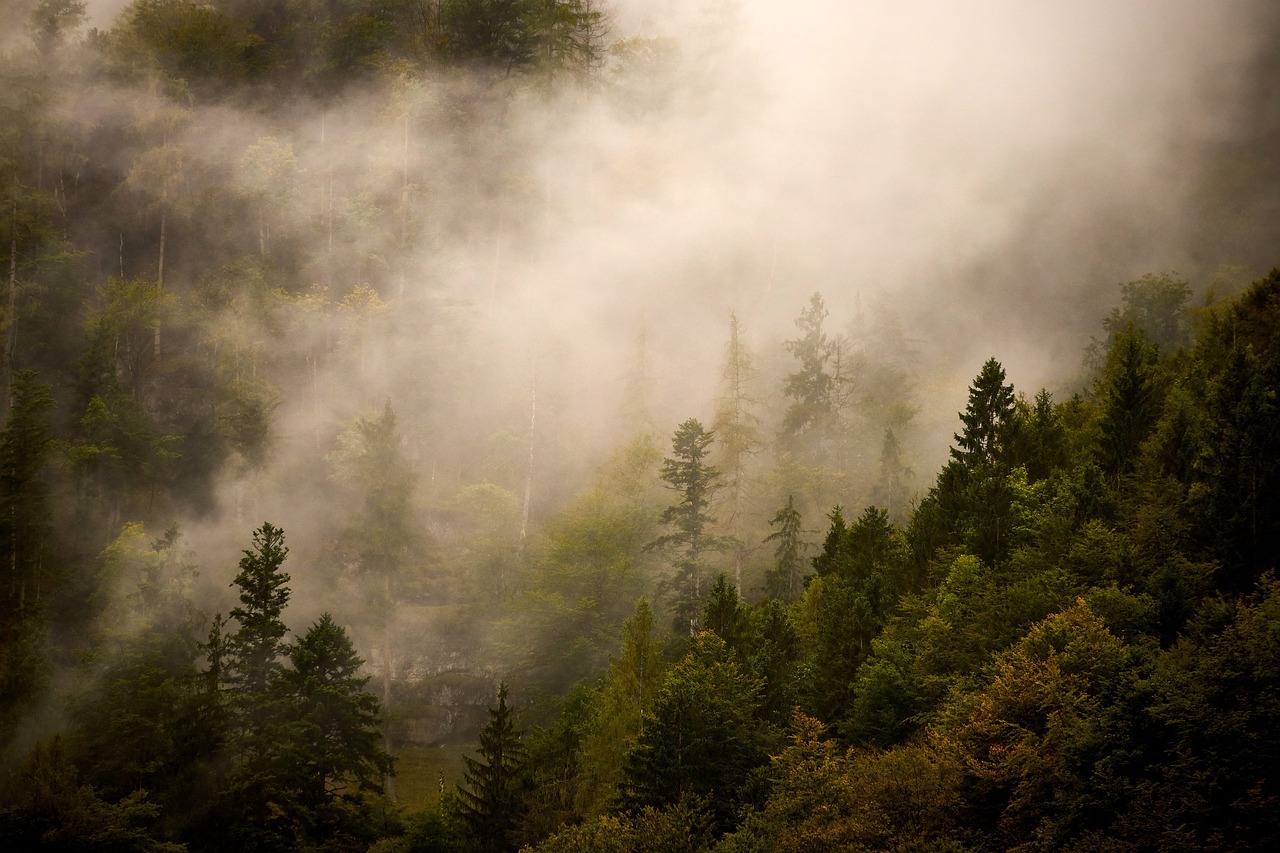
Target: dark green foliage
149	722
1239	466
340	743
1130	401
24	546
1067	643
726	614
24	449
54	811
512	35
492	801
256	646
552	756
703	737
182	40
851	597
1040	440
987	420
303	746
1216	700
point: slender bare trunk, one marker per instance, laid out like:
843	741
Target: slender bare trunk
11	331
386	685
328	203
160	278
164	219
404	198
528	478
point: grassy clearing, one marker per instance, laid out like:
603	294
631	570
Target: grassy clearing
419	770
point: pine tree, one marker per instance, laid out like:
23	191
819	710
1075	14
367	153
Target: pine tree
491	800
973	485
703	738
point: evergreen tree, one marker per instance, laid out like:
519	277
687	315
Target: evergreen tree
24	447
492	799
783	581
695	482
258	643
726	614
850	600
1130	400
260	799
972	487
737	431
811	388
336	737
986	419
703	738
1041	440
618	712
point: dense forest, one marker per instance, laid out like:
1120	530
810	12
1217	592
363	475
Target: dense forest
420	433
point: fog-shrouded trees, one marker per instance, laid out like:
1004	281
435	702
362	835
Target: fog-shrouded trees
737	431
810	416
783	581
303	736
694	481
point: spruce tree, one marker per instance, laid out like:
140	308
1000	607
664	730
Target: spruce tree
258	643
737	431
811	412
687	473
260	799
986	419
337	738
492	799
783	581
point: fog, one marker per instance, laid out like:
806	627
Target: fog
984	176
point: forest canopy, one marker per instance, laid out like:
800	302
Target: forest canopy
653	477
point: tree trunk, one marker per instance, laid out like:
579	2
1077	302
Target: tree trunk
528	479
390	781
11	331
